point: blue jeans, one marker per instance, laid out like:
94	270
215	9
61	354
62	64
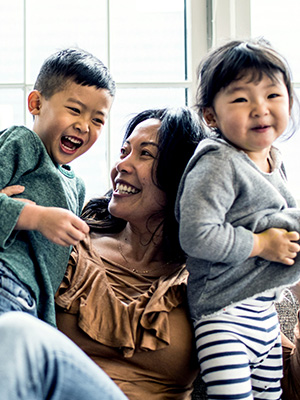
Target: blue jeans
38	362
14	296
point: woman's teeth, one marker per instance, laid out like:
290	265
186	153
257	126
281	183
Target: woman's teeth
125	189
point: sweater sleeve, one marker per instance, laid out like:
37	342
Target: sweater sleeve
207	196
17	149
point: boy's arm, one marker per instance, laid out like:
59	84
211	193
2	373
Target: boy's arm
58	225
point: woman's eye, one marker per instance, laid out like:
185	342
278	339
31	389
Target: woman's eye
147	153
122	151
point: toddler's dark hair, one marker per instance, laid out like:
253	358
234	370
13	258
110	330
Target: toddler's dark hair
235	60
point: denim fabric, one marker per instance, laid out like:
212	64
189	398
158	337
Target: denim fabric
14	296
38	362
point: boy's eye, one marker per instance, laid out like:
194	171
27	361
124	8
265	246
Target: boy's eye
98	121
74	109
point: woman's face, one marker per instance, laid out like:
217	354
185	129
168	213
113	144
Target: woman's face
135	196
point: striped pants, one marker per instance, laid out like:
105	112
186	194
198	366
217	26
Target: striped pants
239	352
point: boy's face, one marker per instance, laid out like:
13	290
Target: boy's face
70	121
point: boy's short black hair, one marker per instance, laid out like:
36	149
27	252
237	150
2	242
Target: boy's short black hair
72	64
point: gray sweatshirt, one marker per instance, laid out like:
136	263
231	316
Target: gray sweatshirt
223	197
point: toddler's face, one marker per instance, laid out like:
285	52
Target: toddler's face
70	121
251	115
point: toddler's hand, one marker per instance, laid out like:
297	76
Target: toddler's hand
277	245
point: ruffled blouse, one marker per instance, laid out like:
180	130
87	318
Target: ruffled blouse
131	314
94	291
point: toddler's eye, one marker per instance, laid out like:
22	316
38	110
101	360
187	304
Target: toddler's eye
239	100
273	95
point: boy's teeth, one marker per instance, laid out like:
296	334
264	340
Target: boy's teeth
73	140
125	189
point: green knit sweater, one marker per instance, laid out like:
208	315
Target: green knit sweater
37	262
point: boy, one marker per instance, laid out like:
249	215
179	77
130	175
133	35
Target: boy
70	103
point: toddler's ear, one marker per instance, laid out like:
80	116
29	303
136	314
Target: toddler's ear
209	117
34	102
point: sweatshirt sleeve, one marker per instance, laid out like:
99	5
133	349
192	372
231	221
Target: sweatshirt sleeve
17	147
207	195
10	210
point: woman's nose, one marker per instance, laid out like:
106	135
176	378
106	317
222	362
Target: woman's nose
125	164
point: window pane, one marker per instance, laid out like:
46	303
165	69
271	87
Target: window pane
290	150
281	27
11	44
11	107
57	24
147	40
286	16
129	102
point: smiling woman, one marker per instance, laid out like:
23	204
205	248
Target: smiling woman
134	171
123	296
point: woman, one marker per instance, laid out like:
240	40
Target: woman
123	297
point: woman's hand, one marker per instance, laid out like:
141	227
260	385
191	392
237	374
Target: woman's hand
15	189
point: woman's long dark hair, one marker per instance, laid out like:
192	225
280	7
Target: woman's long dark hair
178	136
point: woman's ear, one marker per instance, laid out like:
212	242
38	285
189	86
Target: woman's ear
34	102
209	117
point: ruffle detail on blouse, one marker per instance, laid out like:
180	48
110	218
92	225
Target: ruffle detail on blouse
140	325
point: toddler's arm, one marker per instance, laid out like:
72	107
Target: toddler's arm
59	225
277	245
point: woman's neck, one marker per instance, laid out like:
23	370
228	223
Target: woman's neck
136	246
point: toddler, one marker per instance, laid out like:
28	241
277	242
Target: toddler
238	221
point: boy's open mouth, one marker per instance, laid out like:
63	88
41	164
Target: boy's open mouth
71	143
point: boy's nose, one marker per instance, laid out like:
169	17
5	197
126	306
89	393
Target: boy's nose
82	126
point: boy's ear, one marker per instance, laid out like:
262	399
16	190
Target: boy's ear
34	102
209	117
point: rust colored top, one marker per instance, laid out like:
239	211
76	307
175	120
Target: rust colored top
134	326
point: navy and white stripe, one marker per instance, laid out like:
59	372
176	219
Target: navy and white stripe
239	351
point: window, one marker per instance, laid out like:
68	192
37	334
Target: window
147	45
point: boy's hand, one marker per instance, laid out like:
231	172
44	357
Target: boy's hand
277	245
58	225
